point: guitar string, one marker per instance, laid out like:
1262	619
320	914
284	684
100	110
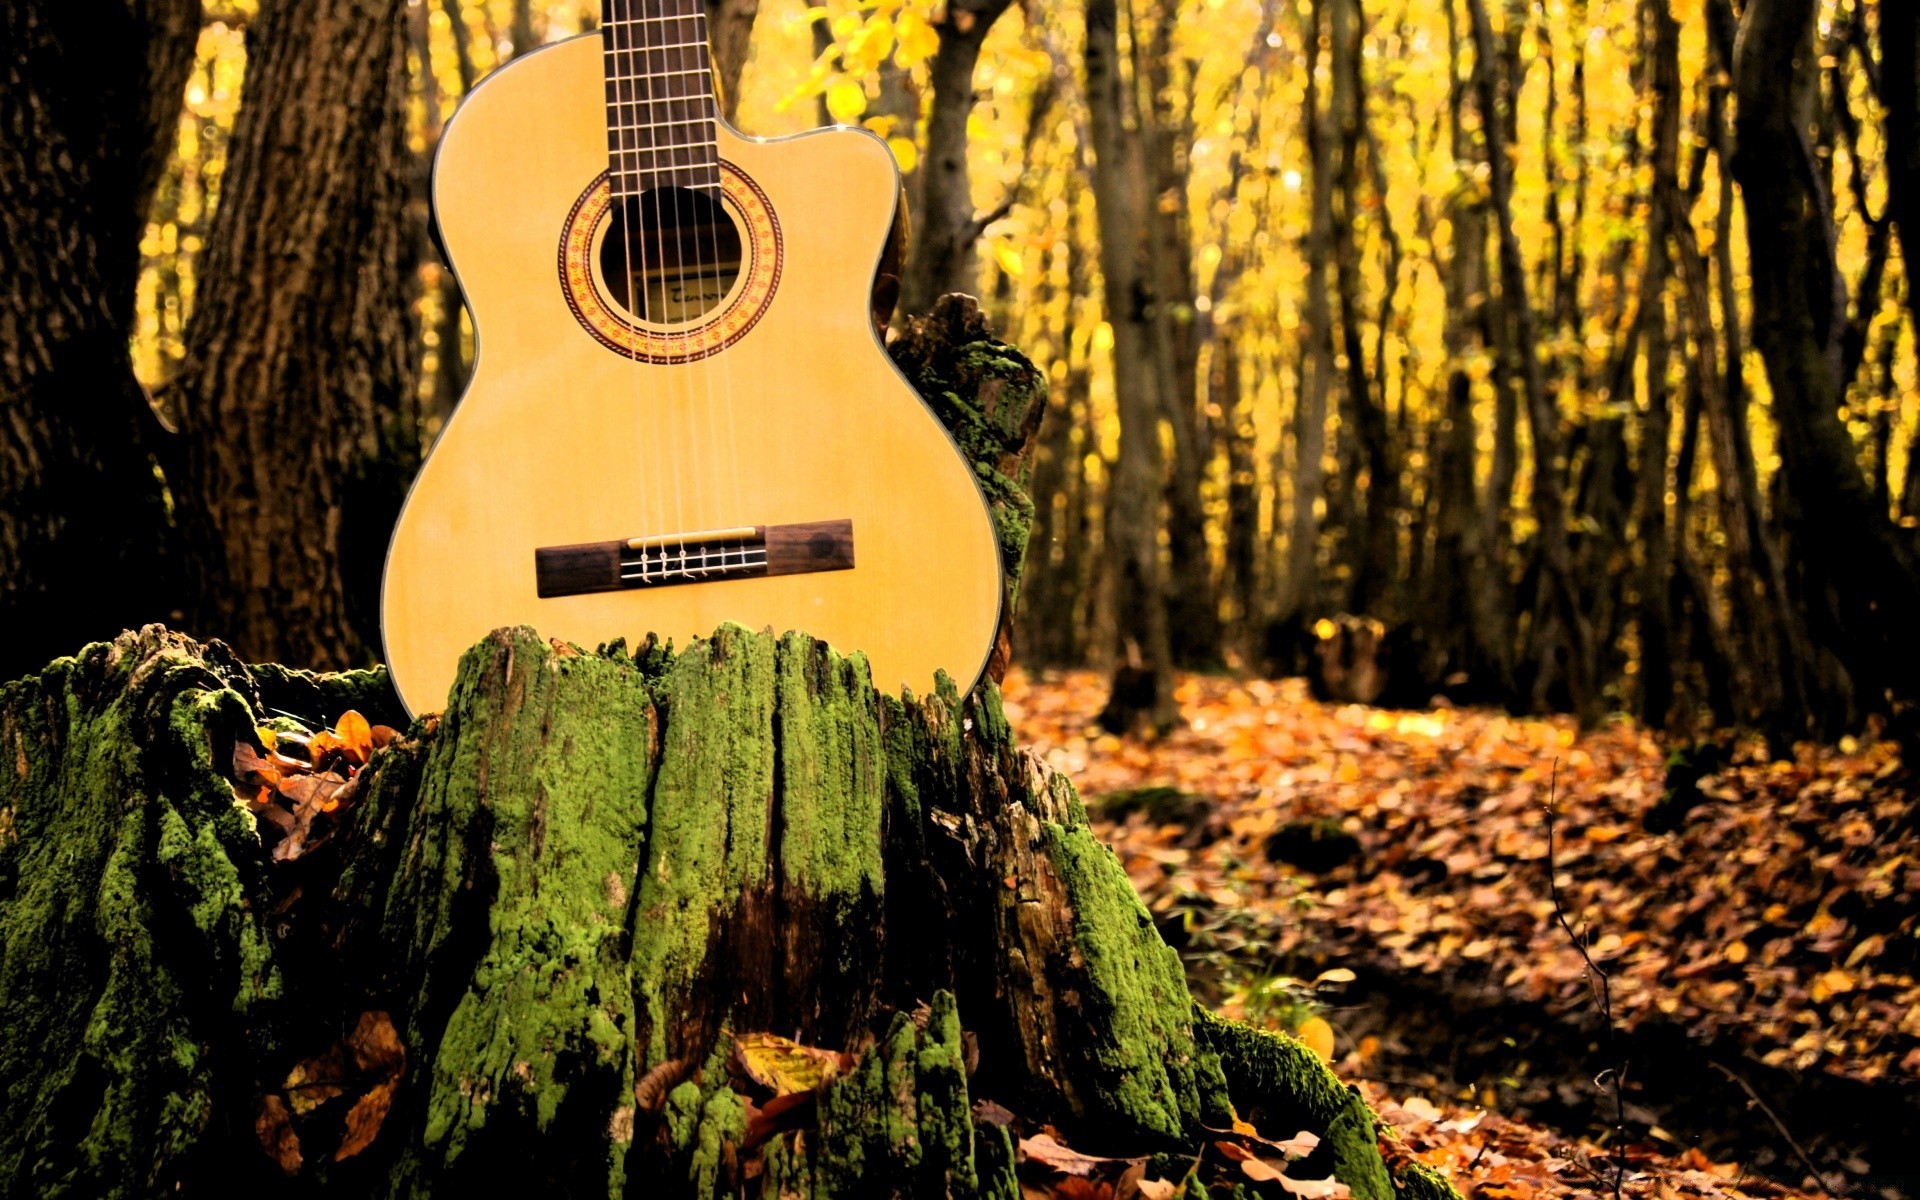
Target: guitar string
618	51
743	266
742	278
702	106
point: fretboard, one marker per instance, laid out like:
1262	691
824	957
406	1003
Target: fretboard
661	116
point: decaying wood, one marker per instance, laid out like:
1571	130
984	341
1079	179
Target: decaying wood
522	959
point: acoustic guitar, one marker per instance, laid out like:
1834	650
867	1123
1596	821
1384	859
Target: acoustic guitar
681	413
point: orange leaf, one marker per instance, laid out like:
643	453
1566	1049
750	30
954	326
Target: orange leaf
364	1119
273	1125
355	736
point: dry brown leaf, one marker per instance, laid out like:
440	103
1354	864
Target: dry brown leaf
316	1080
364	1119
273	1126
1043	1149
377	1050
1315	1189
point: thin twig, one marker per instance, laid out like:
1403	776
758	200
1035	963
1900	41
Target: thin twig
1602	988
1806	1160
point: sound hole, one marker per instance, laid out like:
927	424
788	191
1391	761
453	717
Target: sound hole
677	249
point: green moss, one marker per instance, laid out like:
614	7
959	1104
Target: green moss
1418	1181
682	1114
832	774
544	805
1283	1087
130	926
994	1162
711	818
945	1115
1144	1072
723	1122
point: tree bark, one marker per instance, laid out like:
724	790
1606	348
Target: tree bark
1165	132
89	100
1143	681
730	30
293	398
1854	570
1662	33
1300	587
941	259
1376	566
1899	38
1523	360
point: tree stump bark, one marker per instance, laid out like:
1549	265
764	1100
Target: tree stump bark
525	954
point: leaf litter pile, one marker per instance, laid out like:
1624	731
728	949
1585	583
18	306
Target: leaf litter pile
299	785
1768	906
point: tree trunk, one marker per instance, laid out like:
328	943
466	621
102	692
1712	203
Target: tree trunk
89	100
1165	133
1900	98
1856	572
294	394
1143	681
1300	588
992	400
941	259
1376	563
1523	361
1656	555
730	29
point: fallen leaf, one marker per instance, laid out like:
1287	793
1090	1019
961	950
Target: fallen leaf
273	1126
783	1065
1318	1035
355	737
1315	1189
1043	1149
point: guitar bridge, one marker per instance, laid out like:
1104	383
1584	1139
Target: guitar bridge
707	556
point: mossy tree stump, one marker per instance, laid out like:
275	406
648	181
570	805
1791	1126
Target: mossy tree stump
566	894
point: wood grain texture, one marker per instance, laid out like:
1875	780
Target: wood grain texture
560	441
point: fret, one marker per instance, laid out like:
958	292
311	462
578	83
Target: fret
631	55
658	90
651	75
630	141
623	158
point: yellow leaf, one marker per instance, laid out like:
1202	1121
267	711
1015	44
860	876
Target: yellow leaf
906	152
1337	975
846	100
1318	1035
1737	952
268	735
1831	983
784	1065
1010	259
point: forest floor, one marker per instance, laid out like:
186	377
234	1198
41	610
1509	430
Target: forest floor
1377	879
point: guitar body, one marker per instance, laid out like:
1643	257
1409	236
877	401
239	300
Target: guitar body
585	428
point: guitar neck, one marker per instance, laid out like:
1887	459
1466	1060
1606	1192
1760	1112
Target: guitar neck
661	117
